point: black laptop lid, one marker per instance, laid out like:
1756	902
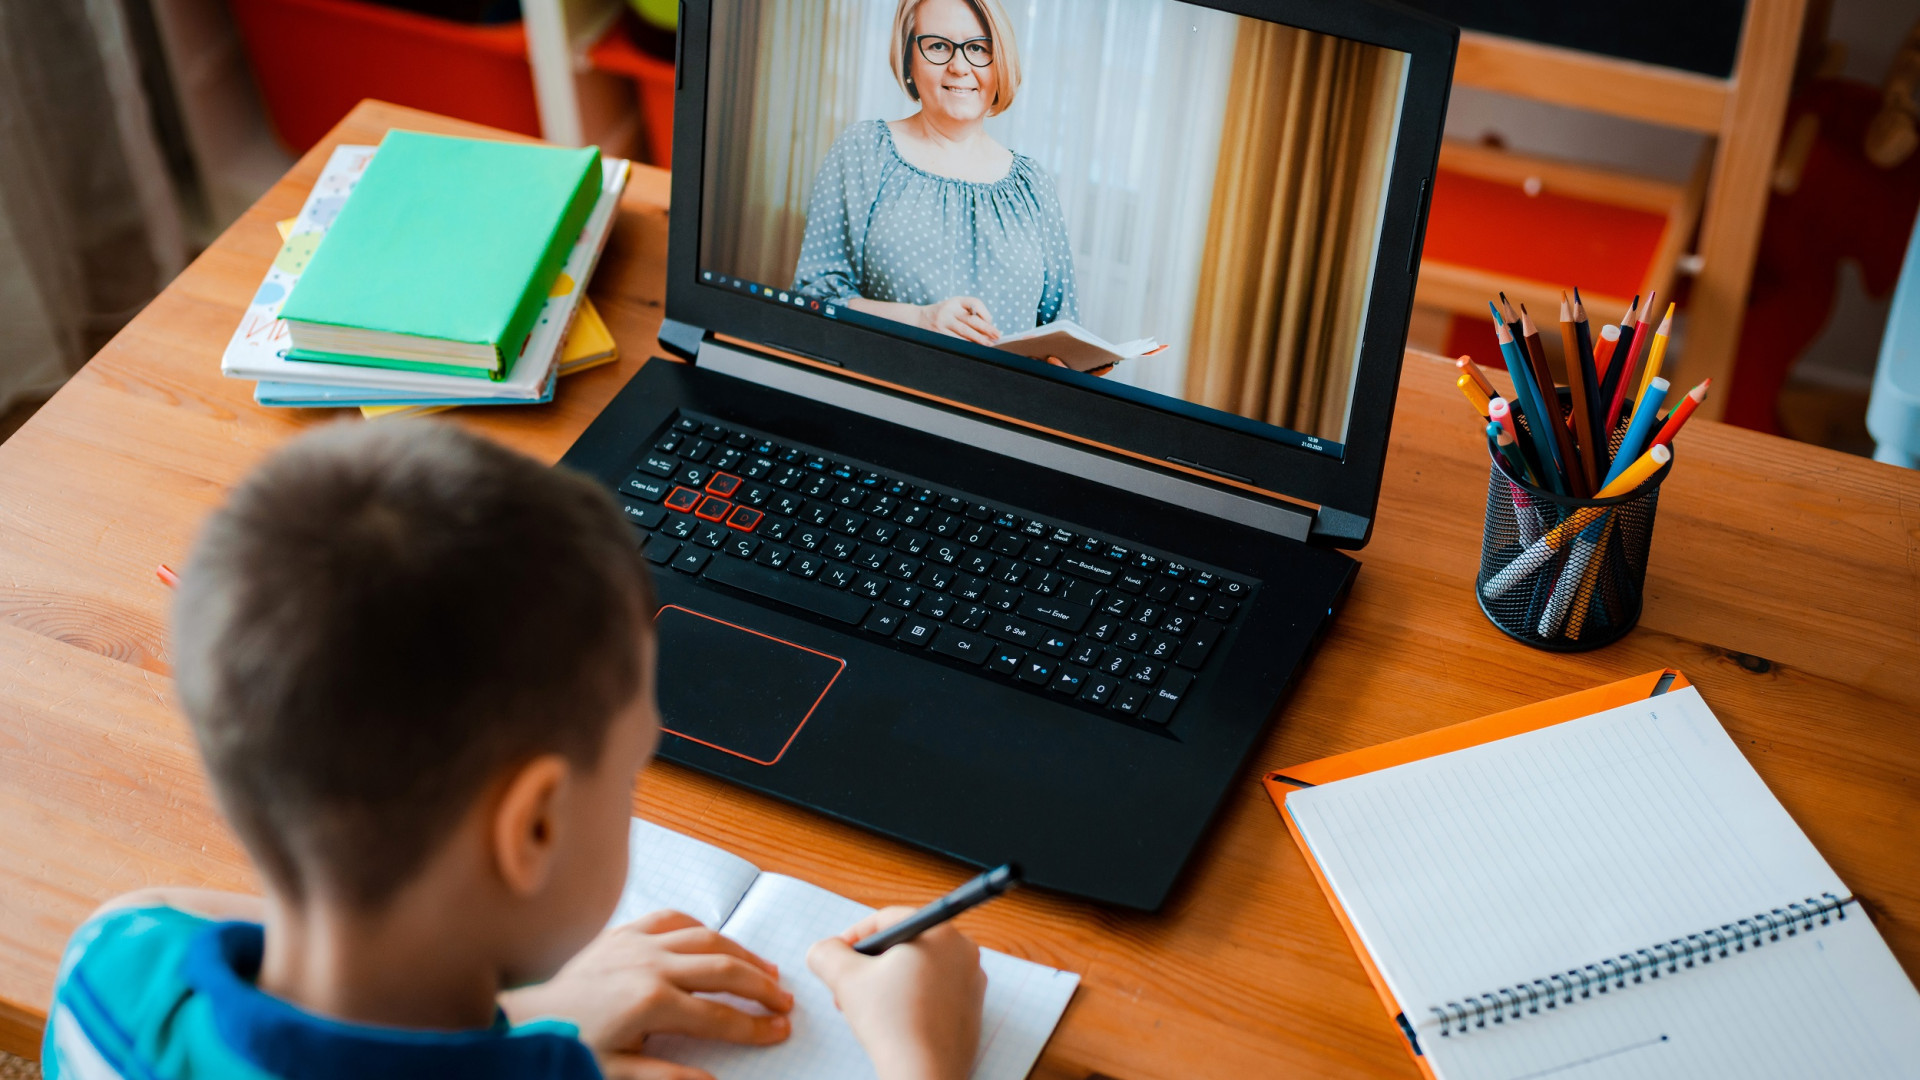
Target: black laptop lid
1244	183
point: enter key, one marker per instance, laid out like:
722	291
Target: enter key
1057	613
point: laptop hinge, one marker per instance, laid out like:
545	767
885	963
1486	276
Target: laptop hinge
1293	522
681	339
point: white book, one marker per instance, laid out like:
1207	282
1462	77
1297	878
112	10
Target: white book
779	918
259	346
1614	896
1076	346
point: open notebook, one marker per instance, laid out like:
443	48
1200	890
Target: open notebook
1615	895
779	918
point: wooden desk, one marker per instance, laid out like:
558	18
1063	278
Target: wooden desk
1785	580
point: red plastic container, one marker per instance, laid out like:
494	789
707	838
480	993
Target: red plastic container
652	83
316	59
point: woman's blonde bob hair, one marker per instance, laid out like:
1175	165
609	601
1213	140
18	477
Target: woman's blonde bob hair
1006	55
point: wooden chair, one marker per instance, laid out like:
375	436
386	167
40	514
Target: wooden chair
1654	221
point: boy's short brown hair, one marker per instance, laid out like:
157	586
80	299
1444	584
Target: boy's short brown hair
383	618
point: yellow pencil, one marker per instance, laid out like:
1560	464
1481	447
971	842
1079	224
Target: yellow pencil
1658	354
1474	397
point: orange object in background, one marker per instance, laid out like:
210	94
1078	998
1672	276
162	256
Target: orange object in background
618	53
314	60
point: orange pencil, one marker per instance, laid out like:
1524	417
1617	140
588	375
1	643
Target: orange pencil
1677	419
1578	376
1603	352
1550	400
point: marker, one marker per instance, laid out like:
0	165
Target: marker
1678	417
1474	397
1500	411
972	894
1467	367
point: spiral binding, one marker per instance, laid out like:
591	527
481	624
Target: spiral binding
1525	999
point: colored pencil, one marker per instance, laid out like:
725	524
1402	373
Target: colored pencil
1646	413
1677	419
1658	353
1525	393
1579	375
1603	350
1466	366
1512	320
1621	350
166	575
1509	448
1543	549
1500	411
1626	364
1577	484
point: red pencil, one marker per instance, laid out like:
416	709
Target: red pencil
166	575
1678	417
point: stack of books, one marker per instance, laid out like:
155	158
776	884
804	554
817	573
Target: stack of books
431	272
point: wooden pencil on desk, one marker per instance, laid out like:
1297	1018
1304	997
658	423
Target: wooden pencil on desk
1512	319
1550	401
1622	350
1657	354
1590	365
1579	375
1629	366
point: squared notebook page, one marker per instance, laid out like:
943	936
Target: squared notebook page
1514	860
780	918
666	869
1828	1002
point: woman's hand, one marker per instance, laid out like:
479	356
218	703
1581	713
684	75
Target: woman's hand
640	979
916	1007
963	317
1057	362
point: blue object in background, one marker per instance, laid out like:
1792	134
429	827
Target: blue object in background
1893	411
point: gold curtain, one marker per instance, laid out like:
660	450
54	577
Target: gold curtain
792	79
1296	199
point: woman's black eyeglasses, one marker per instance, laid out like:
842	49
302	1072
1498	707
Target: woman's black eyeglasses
938	50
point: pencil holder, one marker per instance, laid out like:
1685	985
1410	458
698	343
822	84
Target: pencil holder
1560	573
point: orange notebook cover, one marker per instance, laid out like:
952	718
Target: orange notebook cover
1429	744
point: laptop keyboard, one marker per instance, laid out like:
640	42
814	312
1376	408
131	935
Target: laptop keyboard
1028	601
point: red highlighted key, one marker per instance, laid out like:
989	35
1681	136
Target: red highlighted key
723	485
712	509
682	500
744	518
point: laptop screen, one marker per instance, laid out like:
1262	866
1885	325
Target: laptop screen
1158	200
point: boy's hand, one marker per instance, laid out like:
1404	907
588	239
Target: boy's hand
639	979
915	1007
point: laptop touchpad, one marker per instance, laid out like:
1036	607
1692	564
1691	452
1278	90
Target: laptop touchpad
737	689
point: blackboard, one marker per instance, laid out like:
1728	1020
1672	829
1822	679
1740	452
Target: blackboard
1692	35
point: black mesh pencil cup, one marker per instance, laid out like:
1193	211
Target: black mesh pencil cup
1560	573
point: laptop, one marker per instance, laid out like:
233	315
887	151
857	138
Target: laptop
1031	373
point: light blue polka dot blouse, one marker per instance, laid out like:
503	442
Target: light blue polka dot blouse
882	229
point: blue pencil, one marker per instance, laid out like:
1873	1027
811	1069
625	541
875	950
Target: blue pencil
1538	416
1640	429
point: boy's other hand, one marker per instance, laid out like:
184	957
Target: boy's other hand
915	1007
640	978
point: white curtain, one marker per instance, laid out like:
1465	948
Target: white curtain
90	220
1122	103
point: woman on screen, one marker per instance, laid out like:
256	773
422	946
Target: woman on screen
928	220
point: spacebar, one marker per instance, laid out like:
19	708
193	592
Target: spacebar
788	589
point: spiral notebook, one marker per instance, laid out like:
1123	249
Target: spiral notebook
1597	894
780	918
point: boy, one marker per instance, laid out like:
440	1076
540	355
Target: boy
419	669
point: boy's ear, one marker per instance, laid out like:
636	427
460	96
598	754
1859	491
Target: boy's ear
526	821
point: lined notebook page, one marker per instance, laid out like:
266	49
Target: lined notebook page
780	918
1546	851
666	869
1833	1002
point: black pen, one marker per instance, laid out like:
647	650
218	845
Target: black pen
975	892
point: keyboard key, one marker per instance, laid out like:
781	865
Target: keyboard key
1162	591
680	527
1177	571
848	497
902	567
1097	688
871	586
1091	544
848	523
1146	672
1233	590
976	535
809	537
880	532
1010	572
787	504
1161	647
1199	644
934	605
660	550
911	517
774	556
815	513
1046	583
787	589
1133	638
883	621
1222	609
1042	554
776	529
946	551
643	486
711	536
1055	613
723	485
1178	623
740	440
953	504
979	511
1085	653
691	559
1206	579
1002	597
1128	699
1055	643
1008	544
912	543
725	459
1116	663
713	508
977	562
962	646
1191	597
971	617
1116	605
660	464
1068	681
757	494
1084	593
647	517
742	547
712	432
871	558
682	500
1149	614
744	518
806	564
903	595
817	486
882	506
840	549
1004	660
1037	670
1132	581
686	425
693	476
917	631
945	526
936	577
1018	631
1007	519
1103	629
838	575
1166	697
968	587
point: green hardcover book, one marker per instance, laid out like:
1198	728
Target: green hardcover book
443	255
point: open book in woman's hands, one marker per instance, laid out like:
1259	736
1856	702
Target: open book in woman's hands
1076	346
